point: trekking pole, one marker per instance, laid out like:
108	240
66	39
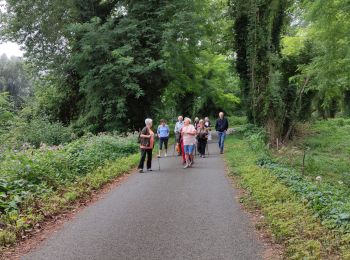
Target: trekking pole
158	154
174	146
158	164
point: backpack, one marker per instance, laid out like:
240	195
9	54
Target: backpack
139	138
143	141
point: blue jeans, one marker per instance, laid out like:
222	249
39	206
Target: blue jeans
221	137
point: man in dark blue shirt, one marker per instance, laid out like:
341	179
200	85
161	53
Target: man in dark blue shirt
221	127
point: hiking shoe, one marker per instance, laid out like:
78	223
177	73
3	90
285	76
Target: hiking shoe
186	166
140	170
165	155
158	155
149	170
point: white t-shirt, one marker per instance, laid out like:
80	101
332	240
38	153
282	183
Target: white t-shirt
188	139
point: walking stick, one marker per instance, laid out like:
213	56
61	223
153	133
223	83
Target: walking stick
158	164
174	146
158	156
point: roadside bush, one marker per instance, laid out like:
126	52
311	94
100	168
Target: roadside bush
39	131
36	183
48	168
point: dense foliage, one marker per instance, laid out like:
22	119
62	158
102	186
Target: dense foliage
287	192
103	66
290	206
199	60
107	65
35	183
292	57
52	166
258	28
328	30
6	112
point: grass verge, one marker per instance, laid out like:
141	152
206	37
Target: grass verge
287	216
34	210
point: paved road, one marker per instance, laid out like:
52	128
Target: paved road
171	214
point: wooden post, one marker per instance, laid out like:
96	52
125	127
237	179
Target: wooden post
303	165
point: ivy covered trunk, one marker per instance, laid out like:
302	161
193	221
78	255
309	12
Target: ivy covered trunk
258	26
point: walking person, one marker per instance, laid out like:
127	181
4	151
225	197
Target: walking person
146	145
163	135
196	122
182	148
207	125
178	126
202	137
189	140
221	127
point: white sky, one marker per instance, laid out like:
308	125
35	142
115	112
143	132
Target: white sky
10	49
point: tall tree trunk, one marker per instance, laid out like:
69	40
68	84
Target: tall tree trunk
258	26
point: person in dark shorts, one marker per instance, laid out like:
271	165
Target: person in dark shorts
163	133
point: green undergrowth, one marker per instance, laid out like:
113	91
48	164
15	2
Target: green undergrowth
327	146
39	183
294	220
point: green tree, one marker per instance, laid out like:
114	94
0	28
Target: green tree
198	59
106	65
14	79
101	60
118	64
258	27
328	28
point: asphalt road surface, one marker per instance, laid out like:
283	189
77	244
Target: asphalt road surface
174	213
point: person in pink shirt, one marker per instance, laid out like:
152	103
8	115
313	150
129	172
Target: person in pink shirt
189	140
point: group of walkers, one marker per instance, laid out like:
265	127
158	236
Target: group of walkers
188	137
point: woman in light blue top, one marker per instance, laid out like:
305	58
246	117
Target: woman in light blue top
163	134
